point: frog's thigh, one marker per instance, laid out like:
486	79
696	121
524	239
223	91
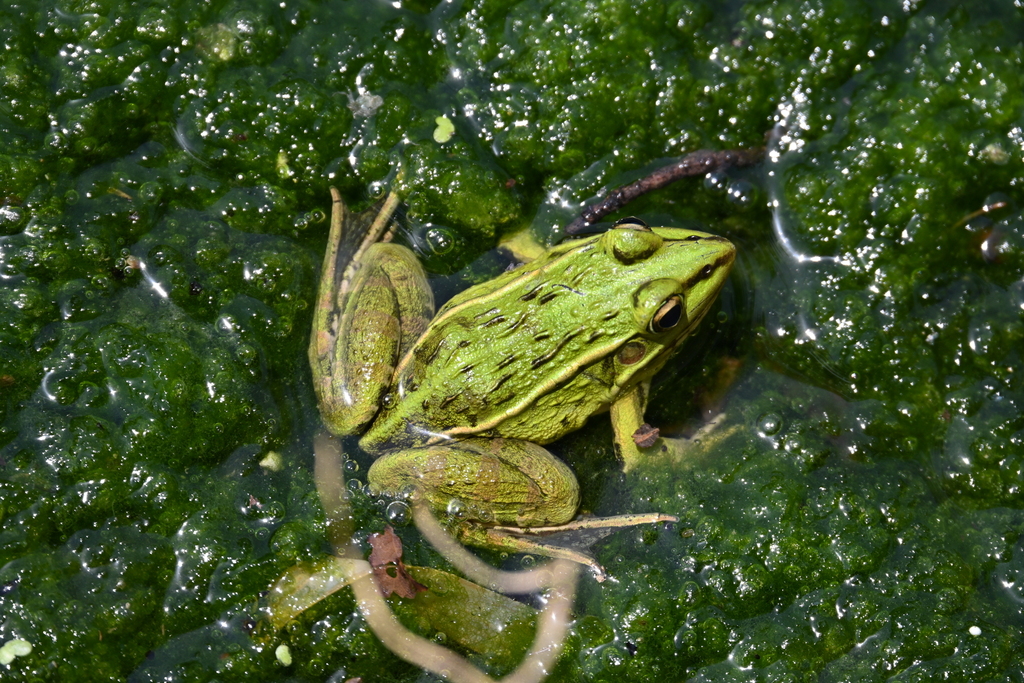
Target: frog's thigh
502	481
387	307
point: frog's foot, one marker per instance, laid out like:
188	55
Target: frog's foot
570	541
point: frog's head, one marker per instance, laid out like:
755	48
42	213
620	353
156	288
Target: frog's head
674	275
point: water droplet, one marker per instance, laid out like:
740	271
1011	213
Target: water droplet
1016	291
528	562
769	424
992	246
614	657
980	336
685	638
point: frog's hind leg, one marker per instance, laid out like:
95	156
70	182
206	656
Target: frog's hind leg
374	302
510	495
493	481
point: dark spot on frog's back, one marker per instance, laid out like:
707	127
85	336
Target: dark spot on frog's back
489	311
515	325
428	355
532	293
547	297
497	385
544	358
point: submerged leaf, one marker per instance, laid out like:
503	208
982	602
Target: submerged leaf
472	616
306	584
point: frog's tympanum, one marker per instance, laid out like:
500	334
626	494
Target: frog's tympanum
457	404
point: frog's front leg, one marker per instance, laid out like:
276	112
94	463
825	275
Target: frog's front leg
636	441
630	433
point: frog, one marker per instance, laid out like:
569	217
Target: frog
457	405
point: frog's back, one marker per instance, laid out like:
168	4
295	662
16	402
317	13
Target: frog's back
529	355
493	352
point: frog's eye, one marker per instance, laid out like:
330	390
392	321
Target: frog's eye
668	315
658	306
631	223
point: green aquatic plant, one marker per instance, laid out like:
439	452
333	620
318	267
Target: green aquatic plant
163	212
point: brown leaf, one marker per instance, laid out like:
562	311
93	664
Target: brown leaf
645	435
386	560
387	548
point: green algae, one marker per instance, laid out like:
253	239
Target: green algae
163	187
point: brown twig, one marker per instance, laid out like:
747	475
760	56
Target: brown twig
693	164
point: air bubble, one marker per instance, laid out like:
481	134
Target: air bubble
397	513
439	240
741	193
717	181
10	219
456	508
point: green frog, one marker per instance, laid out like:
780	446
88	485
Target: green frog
456	405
